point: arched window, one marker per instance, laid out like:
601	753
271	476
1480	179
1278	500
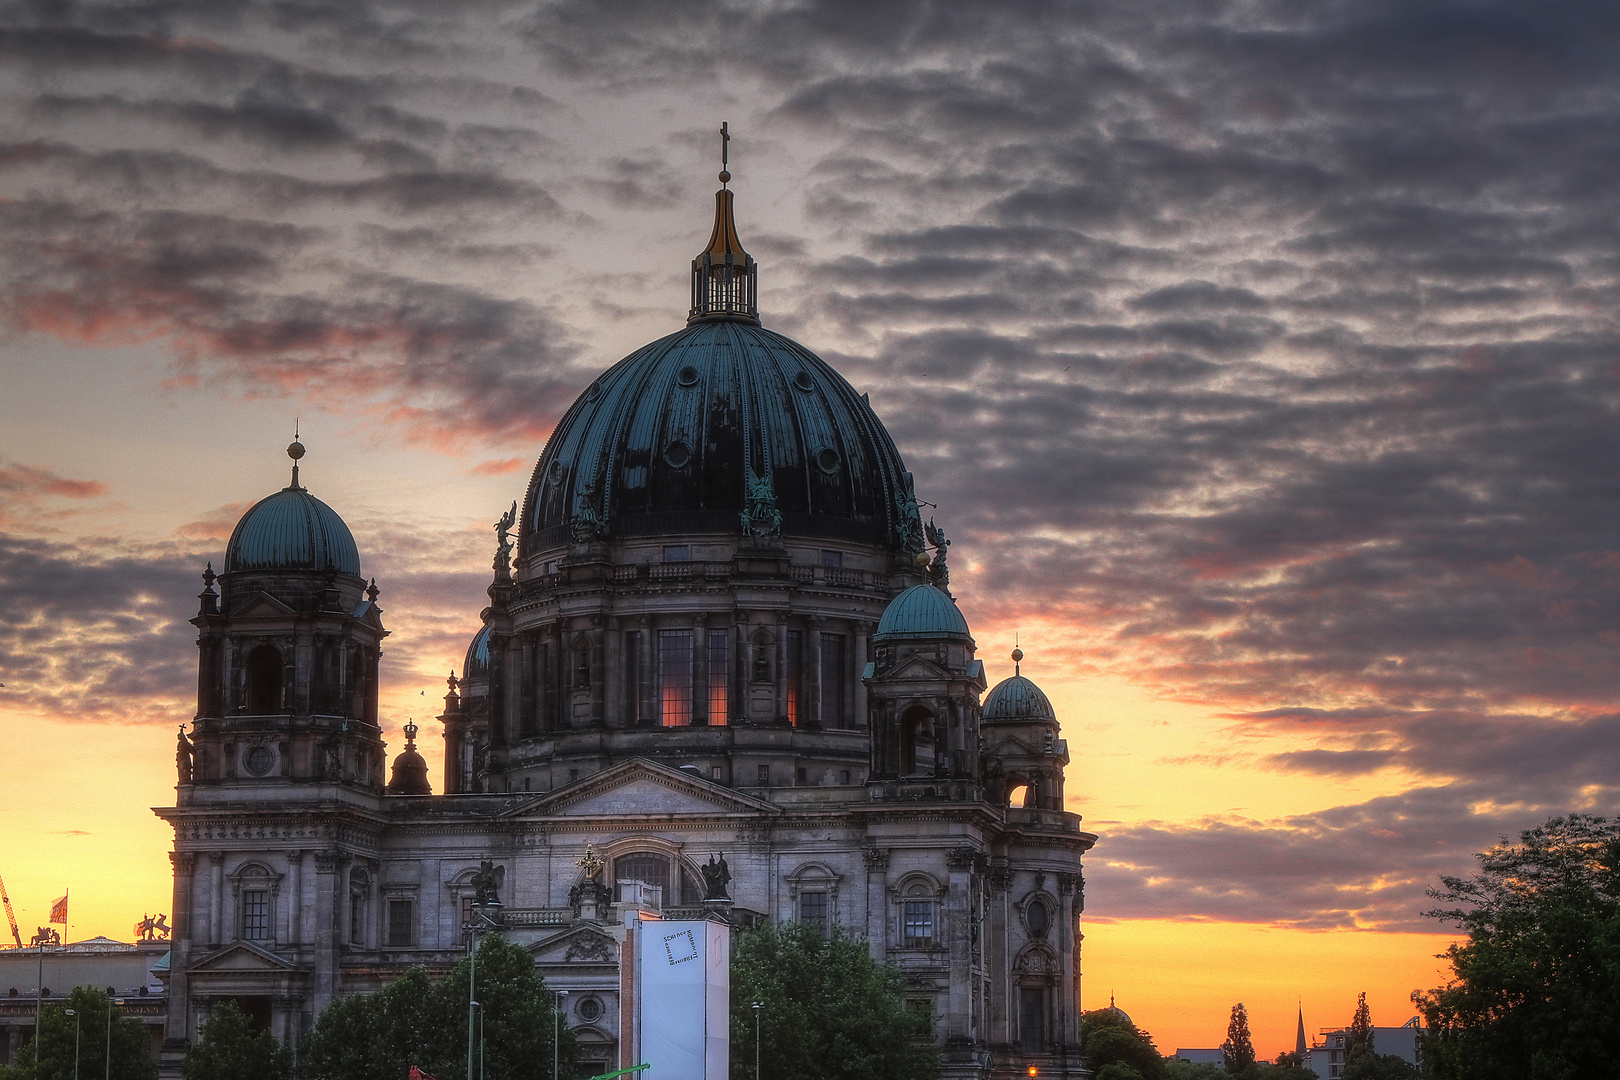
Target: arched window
264	678
657	868
916	741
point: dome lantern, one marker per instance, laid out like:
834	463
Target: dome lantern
725	282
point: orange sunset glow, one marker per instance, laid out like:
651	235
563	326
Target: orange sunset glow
1259	365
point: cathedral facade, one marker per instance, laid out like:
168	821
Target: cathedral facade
719	632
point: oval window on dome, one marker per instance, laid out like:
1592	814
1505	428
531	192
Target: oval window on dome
593	390
678	454
1038	918
687	376
827	460
555	474
803	381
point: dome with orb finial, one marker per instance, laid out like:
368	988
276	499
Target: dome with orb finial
292	530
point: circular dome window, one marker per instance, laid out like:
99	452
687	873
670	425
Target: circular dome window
554	475
687	376
260	760
590	1009
827	460
593	390
803	382
679	454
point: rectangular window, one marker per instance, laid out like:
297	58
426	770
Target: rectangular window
632	678
1032	1018
918	931
256	915
674	678
677	553
922	1011
401	922
357	918
813	911
719	670
833	714
795	673
832	558
764	776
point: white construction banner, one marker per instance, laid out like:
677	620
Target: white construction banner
684	999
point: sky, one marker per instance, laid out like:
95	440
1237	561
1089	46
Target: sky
1261	358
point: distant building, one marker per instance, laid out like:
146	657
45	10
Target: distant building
1199	1057
1326	1057
134	974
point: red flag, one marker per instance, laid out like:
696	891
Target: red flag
59	910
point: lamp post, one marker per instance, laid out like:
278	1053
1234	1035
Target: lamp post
758	1005
556	1034
107	1055
76	1033
472	927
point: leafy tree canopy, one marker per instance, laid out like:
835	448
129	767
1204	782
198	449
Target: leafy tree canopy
830	1011
227	1048
1358	1037
1237	1052
131	1049
418	1021
1535	988
1372	1066
1108	1038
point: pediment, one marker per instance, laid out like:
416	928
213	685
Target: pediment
240	956
261	605
919	668
640	786
1012	747
580	945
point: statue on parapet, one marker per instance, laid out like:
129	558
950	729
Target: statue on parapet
716	876
486	883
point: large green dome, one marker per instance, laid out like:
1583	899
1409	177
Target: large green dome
667	440
292	530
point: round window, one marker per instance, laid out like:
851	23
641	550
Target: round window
678	454
590	1009
827	459
687	376
260	760
593	390
557	471
803	382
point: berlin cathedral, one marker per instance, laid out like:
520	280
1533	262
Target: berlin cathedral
718	629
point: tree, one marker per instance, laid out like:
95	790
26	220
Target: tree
417	1021
227	1048
1358	1037
1535	987
1237	1052
1371	1066
1109	1038
131	1049
830	1011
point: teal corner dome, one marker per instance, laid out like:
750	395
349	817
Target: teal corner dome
922	611
292	530
475	668
1017	699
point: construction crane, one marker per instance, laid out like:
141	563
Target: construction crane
11	917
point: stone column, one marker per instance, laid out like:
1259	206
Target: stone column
741	666
182	939
781	670
1067	988
1000	1007
216	909
858	633
295	898
812	661
700	668
877	901
613	683
527	721
649	672
598	634
958	912
328	895
297	698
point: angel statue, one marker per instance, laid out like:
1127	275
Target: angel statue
503	540
937	570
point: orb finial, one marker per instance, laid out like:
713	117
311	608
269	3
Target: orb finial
295	450
1017	657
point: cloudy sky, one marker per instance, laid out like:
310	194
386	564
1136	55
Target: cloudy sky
1262	358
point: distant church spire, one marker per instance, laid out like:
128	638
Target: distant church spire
724	279
1299	1036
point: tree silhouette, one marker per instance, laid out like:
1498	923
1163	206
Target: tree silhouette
1358	1037
1237	1052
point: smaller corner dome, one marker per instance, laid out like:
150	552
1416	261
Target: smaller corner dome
922	611
475	668
410	776
292	530
1017	699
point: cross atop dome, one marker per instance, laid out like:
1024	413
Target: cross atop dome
724	276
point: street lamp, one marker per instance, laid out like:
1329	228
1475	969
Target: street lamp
758	1005
76	1034
556	1034
471	928
107	1056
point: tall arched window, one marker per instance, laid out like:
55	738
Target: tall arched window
916	741
264	679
